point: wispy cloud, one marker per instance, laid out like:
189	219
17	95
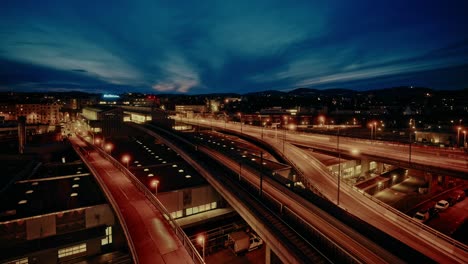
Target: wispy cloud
177	76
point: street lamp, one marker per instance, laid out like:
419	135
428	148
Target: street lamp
339	165
372	127
201	241
261	174
322	120
240	118
155	184
109	147
97	141
261	124
458	136
464	138
126	159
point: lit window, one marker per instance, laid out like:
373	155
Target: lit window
64	252
108	238
18	261
179	214
213	205
195	209
201	208
188	211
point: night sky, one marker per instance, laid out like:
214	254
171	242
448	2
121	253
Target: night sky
231	46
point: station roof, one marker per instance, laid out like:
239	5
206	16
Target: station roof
48	195
157	161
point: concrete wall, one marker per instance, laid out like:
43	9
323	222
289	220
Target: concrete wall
186	198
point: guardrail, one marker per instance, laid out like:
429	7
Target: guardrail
150	196
113	203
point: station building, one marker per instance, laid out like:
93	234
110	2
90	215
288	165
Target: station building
59	215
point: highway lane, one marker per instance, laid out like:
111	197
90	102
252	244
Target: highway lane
362	248
443	158
432	244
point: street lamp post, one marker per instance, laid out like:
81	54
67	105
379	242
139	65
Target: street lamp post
261	174
261	123
339	166
108	148
126	159
464	138
155	184
201	240
458	136
240	119
284	137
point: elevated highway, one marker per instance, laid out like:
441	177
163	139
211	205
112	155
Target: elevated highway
431	243
151	237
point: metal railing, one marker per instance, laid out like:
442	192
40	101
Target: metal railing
150	196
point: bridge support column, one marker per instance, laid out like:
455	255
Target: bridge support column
380	167
364	167
430	181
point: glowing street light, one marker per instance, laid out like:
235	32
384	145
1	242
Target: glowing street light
458	136
97	141
108	147
240	118
321	120
155	184
201	241
373	126
126	159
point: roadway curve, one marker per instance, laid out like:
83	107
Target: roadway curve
425	240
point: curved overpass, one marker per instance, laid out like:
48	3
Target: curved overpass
431	243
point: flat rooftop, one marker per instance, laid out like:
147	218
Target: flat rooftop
54	187
151	160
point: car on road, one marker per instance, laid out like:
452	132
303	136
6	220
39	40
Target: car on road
255	242
421	216
442	205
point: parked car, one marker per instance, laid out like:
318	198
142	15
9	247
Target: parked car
255	242
433	212
442	205
421	216
451	200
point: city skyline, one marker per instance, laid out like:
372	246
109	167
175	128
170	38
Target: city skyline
241	47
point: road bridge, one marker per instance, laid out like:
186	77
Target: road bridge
431	243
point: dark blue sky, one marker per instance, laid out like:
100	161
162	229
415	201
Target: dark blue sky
231	46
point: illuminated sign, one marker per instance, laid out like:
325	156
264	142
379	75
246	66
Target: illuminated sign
110	96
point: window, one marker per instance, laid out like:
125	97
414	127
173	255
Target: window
188	211
201	208
64	252
18	261
108	238
213	205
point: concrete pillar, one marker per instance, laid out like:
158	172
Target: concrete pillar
430	181
380	167
364	167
